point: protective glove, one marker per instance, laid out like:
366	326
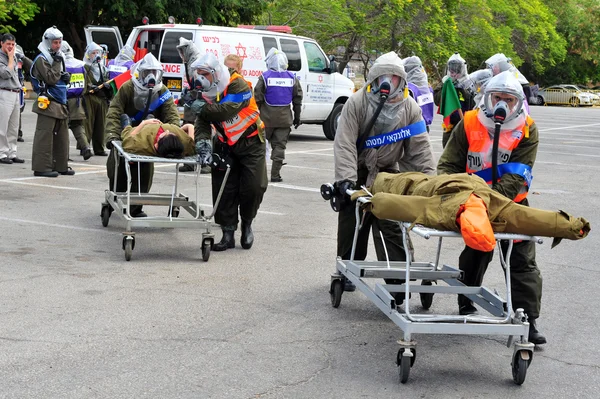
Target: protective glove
57	57
65	77
296	123
94	88
197	106
340	198
204	151
344	185
125	121
186	99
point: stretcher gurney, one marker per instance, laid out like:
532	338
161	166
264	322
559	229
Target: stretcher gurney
121	203
502	320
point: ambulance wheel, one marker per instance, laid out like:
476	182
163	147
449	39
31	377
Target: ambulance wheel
404	364
426	297
105	214
331	123
206	247
128	245
335	292
520	364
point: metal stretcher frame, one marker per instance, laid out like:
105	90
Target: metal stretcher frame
121	202
503	320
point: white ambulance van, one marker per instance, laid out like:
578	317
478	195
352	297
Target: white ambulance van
325	91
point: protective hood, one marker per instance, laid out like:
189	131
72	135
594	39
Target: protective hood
218	72
456	68
415	73
276	60
94	58
477	81
187	50
125	55
45	45
70	60
503	84
146	76
500	63
389	65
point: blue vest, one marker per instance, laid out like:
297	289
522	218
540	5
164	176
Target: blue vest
75	88
115	70
57	92
425	101
279	88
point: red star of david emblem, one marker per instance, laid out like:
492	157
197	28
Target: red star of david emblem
320	78
241	51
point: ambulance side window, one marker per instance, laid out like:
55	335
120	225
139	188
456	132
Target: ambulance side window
292	50
109	39
169	53
269	43
315	57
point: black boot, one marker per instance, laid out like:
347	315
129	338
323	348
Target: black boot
247	234
228	241
465	306
535	337
275	171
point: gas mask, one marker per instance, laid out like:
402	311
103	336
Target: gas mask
202	82
149	77
387	85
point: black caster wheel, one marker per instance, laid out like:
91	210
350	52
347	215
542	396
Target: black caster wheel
404	364
335	292
105	214
426	298
520	363
174	211
128	245
206	247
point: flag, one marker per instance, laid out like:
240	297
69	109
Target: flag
449	101
118	81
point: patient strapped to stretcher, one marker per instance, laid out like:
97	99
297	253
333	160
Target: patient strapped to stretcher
153	138
465	203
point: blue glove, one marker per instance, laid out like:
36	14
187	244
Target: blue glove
204	151
197	106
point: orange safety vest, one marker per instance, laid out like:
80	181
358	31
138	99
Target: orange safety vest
235	127
479	155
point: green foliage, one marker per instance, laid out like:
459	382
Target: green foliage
12	11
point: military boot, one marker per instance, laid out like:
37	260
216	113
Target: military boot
275	169
535	337
247	234
228	241
465	306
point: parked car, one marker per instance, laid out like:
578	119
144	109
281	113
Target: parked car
567	95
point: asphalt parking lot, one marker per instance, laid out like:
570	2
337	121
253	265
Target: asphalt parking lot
78	321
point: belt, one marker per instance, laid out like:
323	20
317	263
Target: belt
13	90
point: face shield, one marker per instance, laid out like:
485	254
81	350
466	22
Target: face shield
148	73
210	76
456	68
93	54
415	73
503	91
50	35
387	84
276	60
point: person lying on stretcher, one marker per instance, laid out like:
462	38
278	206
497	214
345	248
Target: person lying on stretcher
154	138
465	203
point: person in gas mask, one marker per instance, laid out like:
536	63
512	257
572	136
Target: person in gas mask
456	70
499	63
97	96
381	128
476	85
75	99
24	63
122	62
418	87
49	78
275	91
142	96
189	53
470	150
225	101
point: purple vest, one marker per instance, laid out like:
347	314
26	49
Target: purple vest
116	70
425	101
76	85
279	88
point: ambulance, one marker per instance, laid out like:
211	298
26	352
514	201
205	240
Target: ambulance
325	91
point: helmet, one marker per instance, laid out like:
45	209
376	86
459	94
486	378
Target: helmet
49	36
456	68
67	50
503	87
148	73
276	60
210	76
93	53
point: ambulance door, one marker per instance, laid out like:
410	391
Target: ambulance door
319	94
106	36
173	67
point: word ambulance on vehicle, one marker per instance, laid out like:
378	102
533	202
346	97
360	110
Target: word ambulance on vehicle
325	90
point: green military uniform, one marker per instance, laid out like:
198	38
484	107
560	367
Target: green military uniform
278	121
76	122
247	181
123	103
96	104
143	142
467	103
51	141
526	279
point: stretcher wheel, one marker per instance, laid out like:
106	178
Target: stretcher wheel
520	363
128	245
105	214
426	297
405	363
206	246
174	211
335	292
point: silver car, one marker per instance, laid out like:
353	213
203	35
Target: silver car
566	95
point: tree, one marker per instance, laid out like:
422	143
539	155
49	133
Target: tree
22	11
